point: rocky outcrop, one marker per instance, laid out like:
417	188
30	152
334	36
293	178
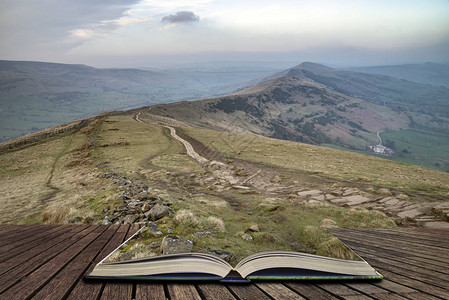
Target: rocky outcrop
139	207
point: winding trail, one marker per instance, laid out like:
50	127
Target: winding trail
189	148
378	135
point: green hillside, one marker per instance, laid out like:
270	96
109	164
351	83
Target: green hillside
261	192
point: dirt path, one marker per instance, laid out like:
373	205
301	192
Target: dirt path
378	136
189	148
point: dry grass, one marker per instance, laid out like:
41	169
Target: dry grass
326	162
214	223
54	216
185	218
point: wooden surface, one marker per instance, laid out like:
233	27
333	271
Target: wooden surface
49	262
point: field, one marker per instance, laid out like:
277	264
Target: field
424	148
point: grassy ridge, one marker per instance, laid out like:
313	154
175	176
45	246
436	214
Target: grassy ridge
146	153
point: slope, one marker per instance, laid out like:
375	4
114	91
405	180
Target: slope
292	109
111	166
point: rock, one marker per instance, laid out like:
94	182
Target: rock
412	213
222	254
310	193
247	237
442	206
145	207
172	244
129	219
154	245
384	191
254	228
349	192
436	224
356	199
157	212
153	229
391	202
330	197
402	197
425	209
106	221
276	179
319	198
106	209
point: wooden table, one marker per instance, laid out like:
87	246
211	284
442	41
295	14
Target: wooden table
49	262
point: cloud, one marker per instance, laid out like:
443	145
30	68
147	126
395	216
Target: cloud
181	17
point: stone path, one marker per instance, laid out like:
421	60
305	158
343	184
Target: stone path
396	207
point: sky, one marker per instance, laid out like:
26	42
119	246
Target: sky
165	33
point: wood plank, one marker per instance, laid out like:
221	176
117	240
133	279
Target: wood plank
181	291
10	229
417	237
23	269
278	291
91	289
373	291
410	246
403	290
125	287
415	284
437	256
154	291
398	256
435	281
215	291
60	285
23	234
37	235
117	291
17	249
34	281
340	290
428	234
409	264
30	253
247	291
309	290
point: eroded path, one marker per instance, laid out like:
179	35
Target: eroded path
221	177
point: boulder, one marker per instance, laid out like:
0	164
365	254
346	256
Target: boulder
172	244
254	228
153	229
157	212
129	219
145	207
247	237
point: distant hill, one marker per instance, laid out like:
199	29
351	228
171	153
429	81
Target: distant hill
38	95
292	109
316	104
429	73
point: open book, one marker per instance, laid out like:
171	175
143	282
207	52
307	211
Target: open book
270	265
